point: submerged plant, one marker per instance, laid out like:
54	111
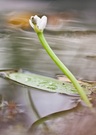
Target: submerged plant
38	24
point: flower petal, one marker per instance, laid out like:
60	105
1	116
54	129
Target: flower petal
43	23
30	22
37	19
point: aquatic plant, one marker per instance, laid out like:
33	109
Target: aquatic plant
39	24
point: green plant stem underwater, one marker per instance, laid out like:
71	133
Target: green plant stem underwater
63	68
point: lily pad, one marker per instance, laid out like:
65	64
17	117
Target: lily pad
42	82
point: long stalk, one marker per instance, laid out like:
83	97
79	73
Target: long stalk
63	68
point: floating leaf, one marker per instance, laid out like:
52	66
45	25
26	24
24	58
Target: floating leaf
41	82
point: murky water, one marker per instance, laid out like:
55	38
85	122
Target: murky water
73	43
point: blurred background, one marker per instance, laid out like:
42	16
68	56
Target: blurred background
70	32
86	8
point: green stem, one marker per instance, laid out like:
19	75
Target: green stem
63	68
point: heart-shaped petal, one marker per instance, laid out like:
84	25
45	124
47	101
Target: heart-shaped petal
37	23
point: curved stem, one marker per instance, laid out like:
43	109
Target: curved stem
32	105
63	68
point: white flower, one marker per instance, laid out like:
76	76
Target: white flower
37	23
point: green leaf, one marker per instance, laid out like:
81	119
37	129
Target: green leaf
41	82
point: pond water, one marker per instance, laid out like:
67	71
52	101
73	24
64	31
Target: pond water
74	43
